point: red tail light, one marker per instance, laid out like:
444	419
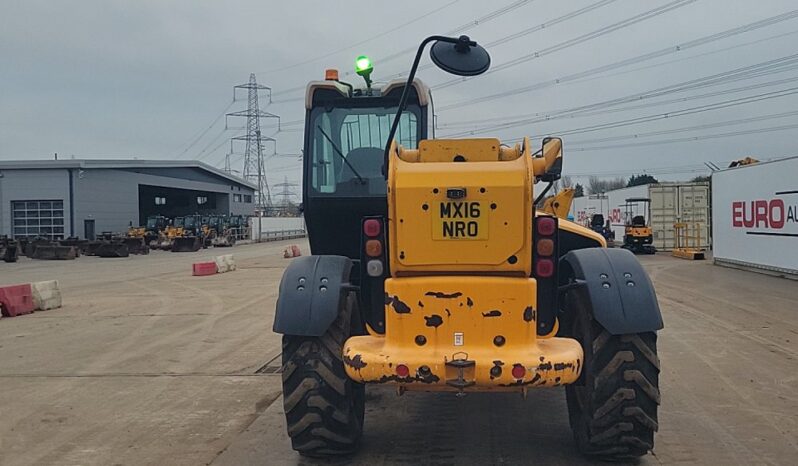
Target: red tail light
402	370
519	371
546	226
372	227
544	268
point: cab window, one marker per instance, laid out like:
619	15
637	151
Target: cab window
348	146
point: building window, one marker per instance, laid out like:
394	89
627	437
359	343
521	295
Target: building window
160	201
236	198
202	200
247	198
38	218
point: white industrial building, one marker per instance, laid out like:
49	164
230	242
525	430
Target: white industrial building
62	198
755	216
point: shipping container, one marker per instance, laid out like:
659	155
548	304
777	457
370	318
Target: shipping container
670	203
755	216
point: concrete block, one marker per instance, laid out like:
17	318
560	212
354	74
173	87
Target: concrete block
46	295
221	265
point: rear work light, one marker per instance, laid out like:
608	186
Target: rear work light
374	268
372	227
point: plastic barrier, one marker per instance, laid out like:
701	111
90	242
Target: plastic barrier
204	268
292	251
17	300
46	295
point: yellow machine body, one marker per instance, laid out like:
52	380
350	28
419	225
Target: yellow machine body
461	302
560	204
136	232
478	233
638	232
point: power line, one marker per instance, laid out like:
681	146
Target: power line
204	149
675	114
202	133
653	13
525	32
719	124
629	61
686	139
490	16
746	72
692	168
604	111
364	41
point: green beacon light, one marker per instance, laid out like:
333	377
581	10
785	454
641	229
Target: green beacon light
364	68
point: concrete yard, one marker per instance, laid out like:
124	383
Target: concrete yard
146	364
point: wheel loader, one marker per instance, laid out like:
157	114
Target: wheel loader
191	238
225	229
431	271
153	230
173	230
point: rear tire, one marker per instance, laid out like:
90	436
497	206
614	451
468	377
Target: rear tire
324	408
613	410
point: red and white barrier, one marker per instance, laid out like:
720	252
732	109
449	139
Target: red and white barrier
201	269
16	300
46	295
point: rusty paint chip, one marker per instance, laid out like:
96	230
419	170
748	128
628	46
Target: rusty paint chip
493	313
434	320
469	301
355	363
442	295
397	304
561	366
529	314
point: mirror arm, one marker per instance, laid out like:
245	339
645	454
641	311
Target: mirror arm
406	94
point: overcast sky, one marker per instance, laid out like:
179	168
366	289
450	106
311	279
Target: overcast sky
112	79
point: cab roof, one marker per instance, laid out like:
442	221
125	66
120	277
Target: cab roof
313	86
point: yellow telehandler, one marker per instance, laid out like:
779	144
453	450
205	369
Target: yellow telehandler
431	270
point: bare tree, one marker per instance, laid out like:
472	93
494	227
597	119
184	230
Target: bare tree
596	185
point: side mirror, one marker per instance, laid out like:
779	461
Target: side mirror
551	154
461	57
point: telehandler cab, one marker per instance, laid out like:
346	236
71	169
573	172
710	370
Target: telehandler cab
431	271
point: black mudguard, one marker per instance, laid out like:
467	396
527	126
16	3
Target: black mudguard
621	294
312	290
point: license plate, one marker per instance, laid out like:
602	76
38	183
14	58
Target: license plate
460	220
